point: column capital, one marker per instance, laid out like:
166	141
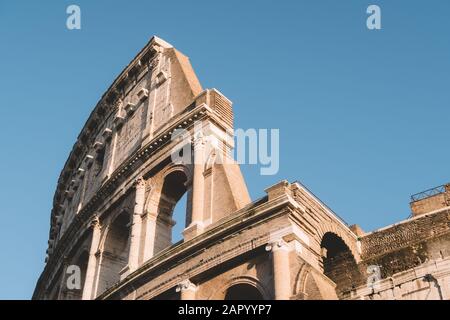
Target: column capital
186	285
140	183
199	140
278	244
95	222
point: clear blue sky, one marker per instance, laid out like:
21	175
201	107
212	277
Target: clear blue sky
364	115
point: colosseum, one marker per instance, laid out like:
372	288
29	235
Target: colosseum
112	213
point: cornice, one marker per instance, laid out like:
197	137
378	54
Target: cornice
252	215
124	171
104	108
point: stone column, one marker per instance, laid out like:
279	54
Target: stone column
154	68
281	272
198	187
89	281
187	290
150	229
117	123
136	225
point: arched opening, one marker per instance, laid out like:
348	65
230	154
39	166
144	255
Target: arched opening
243	291
115	252
179	216
339	263
173	189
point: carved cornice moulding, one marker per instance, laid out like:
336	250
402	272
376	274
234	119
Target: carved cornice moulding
146	59
225	229
121	174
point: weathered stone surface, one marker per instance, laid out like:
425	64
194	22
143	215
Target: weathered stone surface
113	211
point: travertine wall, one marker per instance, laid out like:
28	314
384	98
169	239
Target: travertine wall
408	244
113	210
113	186
427	281
430	203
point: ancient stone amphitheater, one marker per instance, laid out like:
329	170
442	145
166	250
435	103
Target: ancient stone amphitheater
113	211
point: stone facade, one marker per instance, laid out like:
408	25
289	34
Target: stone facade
113	211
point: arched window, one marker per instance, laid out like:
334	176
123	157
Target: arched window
173	189
243	291
339	264
115	252
179	217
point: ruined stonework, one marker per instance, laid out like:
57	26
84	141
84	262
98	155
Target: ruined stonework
113	211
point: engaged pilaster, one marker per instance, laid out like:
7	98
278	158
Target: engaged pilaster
187	290
198	189
149	241
92	263
136	227
281	272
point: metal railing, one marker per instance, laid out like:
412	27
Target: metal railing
428	193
